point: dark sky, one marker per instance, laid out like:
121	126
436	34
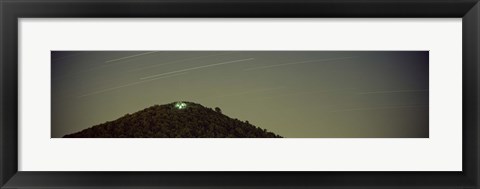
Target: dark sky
296	94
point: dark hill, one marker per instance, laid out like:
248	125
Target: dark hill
175	120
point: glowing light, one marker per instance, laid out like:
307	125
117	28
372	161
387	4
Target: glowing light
180	105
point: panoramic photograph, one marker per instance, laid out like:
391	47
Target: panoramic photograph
239	94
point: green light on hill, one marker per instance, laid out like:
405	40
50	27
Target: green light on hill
180	105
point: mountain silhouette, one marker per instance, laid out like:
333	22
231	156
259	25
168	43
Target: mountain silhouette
175	120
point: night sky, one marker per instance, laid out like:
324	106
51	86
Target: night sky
296	94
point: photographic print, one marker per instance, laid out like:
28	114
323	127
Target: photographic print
240	94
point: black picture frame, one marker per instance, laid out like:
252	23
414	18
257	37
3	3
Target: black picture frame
11	10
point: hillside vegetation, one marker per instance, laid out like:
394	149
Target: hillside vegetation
175	120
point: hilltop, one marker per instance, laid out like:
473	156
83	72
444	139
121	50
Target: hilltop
175	120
